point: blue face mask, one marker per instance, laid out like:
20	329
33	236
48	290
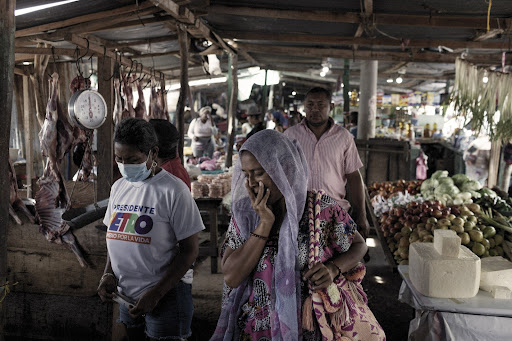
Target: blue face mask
134	172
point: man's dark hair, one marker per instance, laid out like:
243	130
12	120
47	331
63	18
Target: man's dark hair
136	132
168	138
319	90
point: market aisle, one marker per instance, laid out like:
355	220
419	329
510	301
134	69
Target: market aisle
380	284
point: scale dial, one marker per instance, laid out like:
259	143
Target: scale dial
87	109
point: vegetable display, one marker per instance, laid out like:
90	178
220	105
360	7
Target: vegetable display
478	215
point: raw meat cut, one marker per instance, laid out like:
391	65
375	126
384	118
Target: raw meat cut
56	137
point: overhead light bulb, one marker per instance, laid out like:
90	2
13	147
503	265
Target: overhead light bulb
325	69
294	93
399	80
485	79
26	63
389	80
283	84
322	74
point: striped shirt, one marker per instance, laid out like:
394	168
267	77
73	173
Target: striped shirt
329	159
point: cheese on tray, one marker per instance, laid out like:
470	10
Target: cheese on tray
447	243
496	271
435	275
503	293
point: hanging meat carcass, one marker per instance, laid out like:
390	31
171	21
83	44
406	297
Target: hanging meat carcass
157	105
52	199
140	109
15	201
128	110
117	113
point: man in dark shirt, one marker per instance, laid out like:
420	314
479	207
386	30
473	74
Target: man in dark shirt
254	119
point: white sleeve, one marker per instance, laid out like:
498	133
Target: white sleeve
185	217
191	128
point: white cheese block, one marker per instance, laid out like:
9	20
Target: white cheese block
503	293
447	243
496	271
444	277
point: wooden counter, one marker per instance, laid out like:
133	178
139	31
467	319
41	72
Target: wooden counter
211	206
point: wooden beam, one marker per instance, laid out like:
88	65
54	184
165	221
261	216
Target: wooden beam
367	12
340	40
428	57
233	103
244	53
47	51
105	133
92	26
83	19
184	42
99	50
7	27
128	43
355	17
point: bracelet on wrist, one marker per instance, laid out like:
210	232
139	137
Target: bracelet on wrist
337	267
258	236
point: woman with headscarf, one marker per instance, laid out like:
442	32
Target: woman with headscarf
201	131
152	231
286	250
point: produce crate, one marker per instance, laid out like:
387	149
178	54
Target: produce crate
375	223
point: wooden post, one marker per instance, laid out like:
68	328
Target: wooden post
233	101
7	27
494	164
105	133
29	137
180	107
346	87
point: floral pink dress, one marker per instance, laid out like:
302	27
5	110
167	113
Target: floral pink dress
338	231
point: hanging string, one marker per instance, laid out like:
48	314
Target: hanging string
489	15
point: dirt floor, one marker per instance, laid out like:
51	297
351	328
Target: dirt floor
381	285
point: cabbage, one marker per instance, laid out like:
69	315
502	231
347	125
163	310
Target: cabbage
459	179
446	181
440	174
471	185
451	190
429	185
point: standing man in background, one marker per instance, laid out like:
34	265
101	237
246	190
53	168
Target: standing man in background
332	156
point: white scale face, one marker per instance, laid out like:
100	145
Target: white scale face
88	109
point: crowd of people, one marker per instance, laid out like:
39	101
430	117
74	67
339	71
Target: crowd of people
293	255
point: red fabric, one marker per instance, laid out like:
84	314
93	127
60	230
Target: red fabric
175	167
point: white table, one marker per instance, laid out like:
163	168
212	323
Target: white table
480	318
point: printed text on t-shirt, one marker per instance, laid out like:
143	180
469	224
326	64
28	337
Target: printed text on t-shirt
130	227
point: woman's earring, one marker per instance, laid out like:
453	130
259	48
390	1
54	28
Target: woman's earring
153	166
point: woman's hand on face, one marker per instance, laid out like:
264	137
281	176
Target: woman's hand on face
321	275
259	203
146	303
106	288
